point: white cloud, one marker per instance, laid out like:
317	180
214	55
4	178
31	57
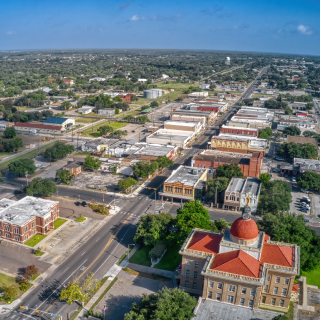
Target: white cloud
304	29
135	18
9	33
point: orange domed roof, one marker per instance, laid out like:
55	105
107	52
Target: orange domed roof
244	229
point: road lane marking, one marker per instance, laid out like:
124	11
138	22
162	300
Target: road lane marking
107	245
60	285
83	254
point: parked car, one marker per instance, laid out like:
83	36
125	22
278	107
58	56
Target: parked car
304	205
77	203
304	210
304	191
305	199
294	179
306	220
279	158
84	204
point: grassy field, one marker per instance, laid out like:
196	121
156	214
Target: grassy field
35	240
59	222
86	120
141	257
92	132
170	260
6	280
313	277
28	155
5	154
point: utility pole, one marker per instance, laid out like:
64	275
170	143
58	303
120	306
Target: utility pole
72	133
155	200
216	184
102	196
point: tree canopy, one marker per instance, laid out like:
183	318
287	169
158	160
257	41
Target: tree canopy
211	189
297	150
309	180
143	169
57	151
9	132
292	131
41	187
91	163
64	176
229	171
153	229
124	184
291	229
165	304
264	178
164	162
265	134
21	166
275	196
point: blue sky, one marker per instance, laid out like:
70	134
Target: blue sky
266	26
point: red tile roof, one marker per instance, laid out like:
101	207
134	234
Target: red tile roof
205	242
244	229
295	287
37	126
278	255
266	238
237	262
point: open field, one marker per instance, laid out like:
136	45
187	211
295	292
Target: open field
86	120
92	131
141	256
171	259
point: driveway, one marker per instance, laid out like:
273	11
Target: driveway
127	290
14	258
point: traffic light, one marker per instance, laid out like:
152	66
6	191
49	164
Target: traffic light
22	307
37	311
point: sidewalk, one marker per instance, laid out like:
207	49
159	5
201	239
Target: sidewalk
159	272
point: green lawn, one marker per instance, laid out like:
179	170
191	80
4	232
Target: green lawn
92	132
171	259
35	240
80	219
86	120
35	276
141	256
6	280
59	222
313	277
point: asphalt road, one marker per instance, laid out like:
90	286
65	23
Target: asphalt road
97	256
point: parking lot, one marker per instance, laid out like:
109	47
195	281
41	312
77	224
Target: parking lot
127	290
295	206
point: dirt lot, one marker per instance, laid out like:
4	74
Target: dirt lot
95	180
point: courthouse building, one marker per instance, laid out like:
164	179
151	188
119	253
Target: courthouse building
240	266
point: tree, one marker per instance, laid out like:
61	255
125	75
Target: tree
66	105
292	229
22	166
309	180
74	292
64	176
288	110
153	229
265	134
192	215
116	111
105	130
154	104
42	187
134	98
165	304
297	150
275	196
10	291
57	151
292	131
264	178
127	183
164	162
118	134
12	144
229	171
31	271
9	133
92	163
211	188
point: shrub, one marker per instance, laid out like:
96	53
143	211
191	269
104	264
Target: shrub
157	250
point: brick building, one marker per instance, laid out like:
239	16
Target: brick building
184	184
239	266
20	220
125	97
75	167
239	130
250	163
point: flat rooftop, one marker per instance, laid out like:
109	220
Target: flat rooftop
74	164
240	128
22	211
226	157
102	141
155	150
187	175
197	112
251	186
235	185
190	124
175	135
